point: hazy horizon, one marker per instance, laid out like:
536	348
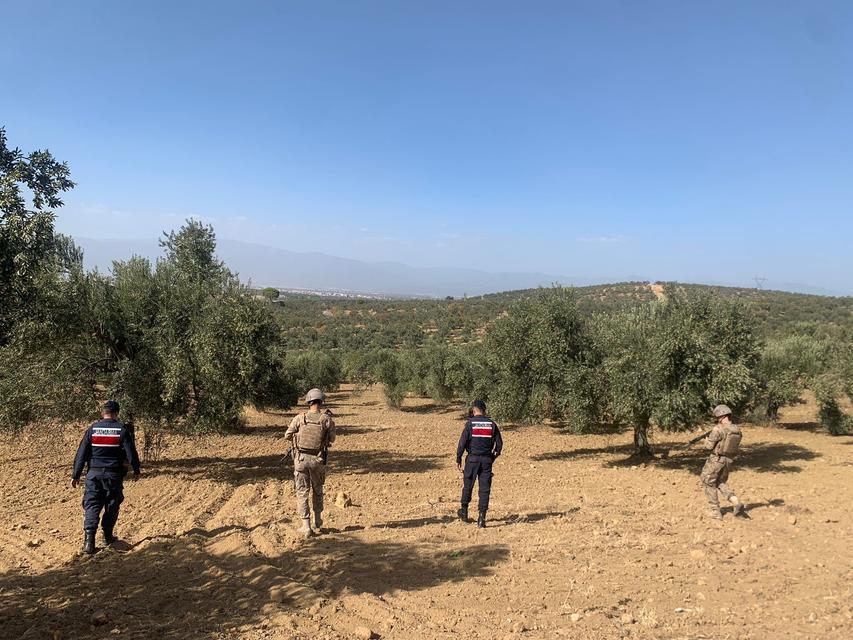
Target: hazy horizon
679	141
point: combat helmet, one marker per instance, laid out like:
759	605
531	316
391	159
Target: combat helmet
722	410
314	395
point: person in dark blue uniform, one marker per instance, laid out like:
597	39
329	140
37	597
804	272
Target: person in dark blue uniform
481	439
107	448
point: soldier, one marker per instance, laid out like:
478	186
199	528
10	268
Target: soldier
106	448
311	434
724	442
481	439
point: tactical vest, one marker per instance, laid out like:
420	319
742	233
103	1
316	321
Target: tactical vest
730	444
311	437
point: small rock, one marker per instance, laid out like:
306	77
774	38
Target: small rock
627	618
812	618
364	633
792	519
35	542
99	618
518	627
697	554
575	617
277	594
343	501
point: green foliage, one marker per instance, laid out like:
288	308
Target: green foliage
310	369
785	369
30	251
389	369
181	343
270	293
537	356
670	362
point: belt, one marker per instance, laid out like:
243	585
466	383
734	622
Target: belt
105	468
311	452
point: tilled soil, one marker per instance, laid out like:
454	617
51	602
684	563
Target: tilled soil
582	541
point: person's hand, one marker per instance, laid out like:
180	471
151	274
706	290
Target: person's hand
75	482
459	467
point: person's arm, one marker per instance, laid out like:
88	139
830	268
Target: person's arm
713	438
464	439
130	452
293	428
499	441
84	455
330	434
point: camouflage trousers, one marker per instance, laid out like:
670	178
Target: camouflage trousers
715	476
310	474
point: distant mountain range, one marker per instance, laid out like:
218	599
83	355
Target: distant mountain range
271	267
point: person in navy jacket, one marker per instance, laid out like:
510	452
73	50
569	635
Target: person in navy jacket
482	441
106	449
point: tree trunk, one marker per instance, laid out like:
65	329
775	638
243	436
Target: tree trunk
641	439
772	412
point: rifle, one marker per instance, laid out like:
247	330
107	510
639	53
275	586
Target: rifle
665	454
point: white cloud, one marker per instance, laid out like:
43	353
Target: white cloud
602	239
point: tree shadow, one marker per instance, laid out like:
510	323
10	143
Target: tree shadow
432	408
415	523
762	457
570	454
249	469
800	426
184	588
352	431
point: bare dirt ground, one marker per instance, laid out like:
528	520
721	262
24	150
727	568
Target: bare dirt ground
581	543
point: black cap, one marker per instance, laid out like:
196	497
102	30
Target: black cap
111	406
479	404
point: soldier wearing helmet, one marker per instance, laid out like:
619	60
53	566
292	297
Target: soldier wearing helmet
311	433
724	443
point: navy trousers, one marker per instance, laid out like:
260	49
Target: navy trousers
479	468
103	492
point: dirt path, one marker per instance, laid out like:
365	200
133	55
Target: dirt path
580	545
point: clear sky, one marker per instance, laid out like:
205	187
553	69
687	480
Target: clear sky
698	141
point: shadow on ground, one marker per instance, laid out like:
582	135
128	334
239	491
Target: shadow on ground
775	457
241	470
179	589
414	523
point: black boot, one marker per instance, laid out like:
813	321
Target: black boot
89	542
481	521
109	538
463	513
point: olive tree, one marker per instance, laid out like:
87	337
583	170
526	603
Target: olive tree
538	355
667	363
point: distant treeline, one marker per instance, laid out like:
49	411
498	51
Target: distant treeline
183	345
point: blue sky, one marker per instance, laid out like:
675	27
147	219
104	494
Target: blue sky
698	141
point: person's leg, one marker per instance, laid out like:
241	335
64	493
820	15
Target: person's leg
303	488
484	485
317	472
710	473
114	496
469	473
728	494
94	498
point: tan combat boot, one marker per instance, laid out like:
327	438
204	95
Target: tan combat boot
739	510
305	529
715	514
318	520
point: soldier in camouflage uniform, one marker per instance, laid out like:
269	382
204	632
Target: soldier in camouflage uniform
311	433
724	442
